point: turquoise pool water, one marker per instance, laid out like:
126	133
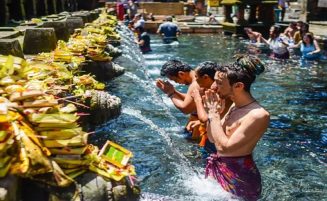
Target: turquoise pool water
291	155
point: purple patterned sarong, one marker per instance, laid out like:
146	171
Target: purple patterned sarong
237	175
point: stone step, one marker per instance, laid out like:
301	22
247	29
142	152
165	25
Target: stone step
9	32
60	27
39	40
11	47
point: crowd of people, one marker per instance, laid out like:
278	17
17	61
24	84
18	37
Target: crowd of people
135	21
168	30
225	118
296	35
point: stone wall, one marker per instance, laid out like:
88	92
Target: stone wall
158	8
27	9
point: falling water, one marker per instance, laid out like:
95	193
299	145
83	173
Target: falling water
292	163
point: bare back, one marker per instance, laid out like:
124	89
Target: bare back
188	101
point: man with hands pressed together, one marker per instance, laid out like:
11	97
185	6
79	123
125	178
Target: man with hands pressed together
182	73
237	133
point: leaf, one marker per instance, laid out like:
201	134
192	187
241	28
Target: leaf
10	65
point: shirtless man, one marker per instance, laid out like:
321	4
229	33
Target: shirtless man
182	73
202	114
204	74
290	30
255	37
237	133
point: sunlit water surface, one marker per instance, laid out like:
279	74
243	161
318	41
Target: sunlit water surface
291	155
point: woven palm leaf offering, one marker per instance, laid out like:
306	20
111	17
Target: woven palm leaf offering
112	162
115	154
40	134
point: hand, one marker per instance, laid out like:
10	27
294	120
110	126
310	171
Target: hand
310	53
192	124
196	95
165	86
213	103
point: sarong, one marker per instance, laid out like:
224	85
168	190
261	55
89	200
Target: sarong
237	175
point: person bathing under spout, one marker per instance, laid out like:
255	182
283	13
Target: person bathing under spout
237	133
181	73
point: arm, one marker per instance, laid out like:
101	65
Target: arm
264	40
316	47
140	42
202	114
296	45
180	95
169	89
187	105
286	31
159	29
178	32
248	132
281	40
257	36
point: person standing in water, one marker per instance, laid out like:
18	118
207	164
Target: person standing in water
291	30
237	133
201	74
181	73
255	37
309	47
143	40
277	44
169	30
204	75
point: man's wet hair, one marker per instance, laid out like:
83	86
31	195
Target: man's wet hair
244	69
172	67
207	67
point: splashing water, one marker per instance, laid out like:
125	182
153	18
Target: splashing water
291	155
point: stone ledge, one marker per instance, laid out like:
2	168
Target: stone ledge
11	47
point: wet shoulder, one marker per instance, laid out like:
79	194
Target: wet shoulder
195	85
258	112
